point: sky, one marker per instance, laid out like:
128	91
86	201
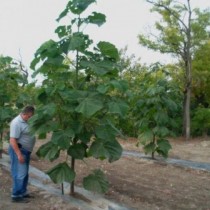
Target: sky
26	24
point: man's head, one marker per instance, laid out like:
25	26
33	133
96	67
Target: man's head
27	112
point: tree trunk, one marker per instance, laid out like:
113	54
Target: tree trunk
72	183
187	99
1	144
184	114
187	114
188	71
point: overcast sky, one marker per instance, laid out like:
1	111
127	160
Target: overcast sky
26	24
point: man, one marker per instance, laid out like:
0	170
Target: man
21	146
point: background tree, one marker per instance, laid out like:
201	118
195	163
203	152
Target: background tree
201	90
180	32
156	111
133	72
80	98
10	81
201	75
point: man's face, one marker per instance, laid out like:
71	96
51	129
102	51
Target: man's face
27	116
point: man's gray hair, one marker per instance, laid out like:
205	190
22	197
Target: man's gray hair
28	109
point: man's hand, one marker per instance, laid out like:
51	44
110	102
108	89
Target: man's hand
21	158
13	143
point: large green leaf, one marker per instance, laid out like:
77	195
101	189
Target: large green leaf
102	88
63	14
114	149
100	67
41	128
89	106
61	173
63	138
78	6
42	97
47	49
48	151
118	107
145	136
163	147
161	117
109	149
121	85
97	18
5	114
149	148
108	49
72	95
96	182
76	42
105	132
62	31
78	151
161	131
98	150
49	109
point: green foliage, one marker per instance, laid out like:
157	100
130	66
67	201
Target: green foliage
173	32
81	97
156	110
11	97
61	172
180	32
96	182
201	121
201	75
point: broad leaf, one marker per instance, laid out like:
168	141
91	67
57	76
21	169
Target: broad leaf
146	136
61	173
161	131
62	31
109	50
48	151
102	88
5	114
63	14
161	117
109	149
77	42
78	6
78	151
89	106
47	49
118	107
63	138
100	67
163	147
105	132
98	150
42	97
114	149
97	18
119	84
96	182
149	148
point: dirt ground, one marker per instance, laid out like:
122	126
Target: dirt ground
137	183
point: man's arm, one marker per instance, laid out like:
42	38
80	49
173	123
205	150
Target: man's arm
13	143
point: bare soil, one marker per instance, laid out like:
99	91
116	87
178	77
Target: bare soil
135	182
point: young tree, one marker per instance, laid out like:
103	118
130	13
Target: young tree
181	31
156	111
80	98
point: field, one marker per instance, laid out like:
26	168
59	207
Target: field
137	183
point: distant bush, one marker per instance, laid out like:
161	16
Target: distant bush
201	122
